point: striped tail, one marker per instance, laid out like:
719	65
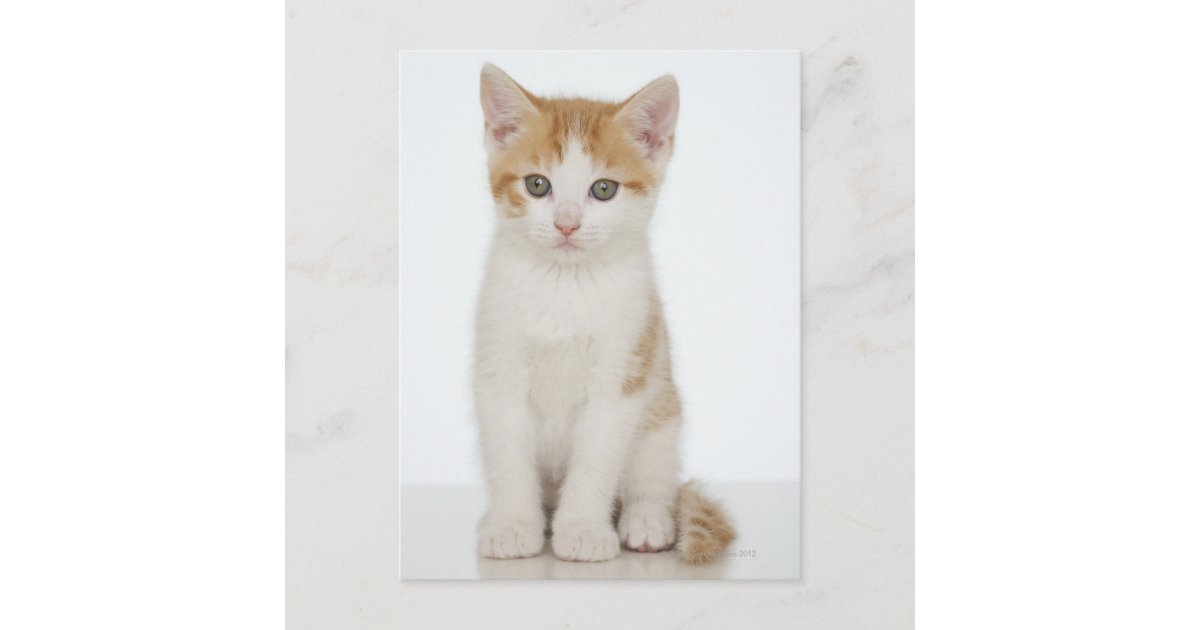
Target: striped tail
704	530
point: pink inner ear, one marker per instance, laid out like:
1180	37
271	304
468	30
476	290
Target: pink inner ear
501	110
651	141
656	122
500	132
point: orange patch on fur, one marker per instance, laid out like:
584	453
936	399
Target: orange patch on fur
704	531
503	186
643	354
636	186
663	409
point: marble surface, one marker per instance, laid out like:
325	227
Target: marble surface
342	312
438	540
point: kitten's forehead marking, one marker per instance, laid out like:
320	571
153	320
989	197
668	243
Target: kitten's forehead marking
575	172
575	139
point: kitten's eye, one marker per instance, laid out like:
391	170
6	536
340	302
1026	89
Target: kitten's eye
604	189
537	185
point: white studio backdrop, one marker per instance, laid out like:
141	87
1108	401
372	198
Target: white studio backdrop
726	239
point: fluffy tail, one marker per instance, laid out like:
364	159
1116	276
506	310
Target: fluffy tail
704	531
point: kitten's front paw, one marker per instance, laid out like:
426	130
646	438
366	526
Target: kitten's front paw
585	541
505	537
646	526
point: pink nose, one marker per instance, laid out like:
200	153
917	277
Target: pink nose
566	229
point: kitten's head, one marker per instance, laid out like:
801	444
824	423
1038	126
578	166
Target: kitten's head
573	178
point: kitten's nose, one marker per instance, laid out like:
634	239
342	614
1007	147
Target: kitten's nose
566	217
566	228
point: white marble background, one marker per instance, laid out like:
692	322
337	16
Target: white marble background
342	309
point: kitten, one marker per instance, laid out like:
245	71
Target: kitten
578	414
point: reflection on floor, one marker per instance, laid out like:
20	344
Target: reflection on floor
438	540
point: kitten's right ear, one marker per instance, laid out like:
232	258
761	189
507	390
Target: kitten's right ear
505	105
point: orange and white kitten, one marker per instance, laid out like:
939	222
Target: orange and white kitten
578	414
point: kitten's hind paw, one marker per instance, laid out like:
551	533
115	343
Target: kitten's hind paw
507	537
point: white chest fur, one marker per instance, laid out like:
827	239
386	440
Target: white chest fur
562	319
554	302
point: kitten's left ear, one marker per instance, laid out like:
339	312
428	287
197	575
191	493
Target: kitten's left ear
651	115
505	105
